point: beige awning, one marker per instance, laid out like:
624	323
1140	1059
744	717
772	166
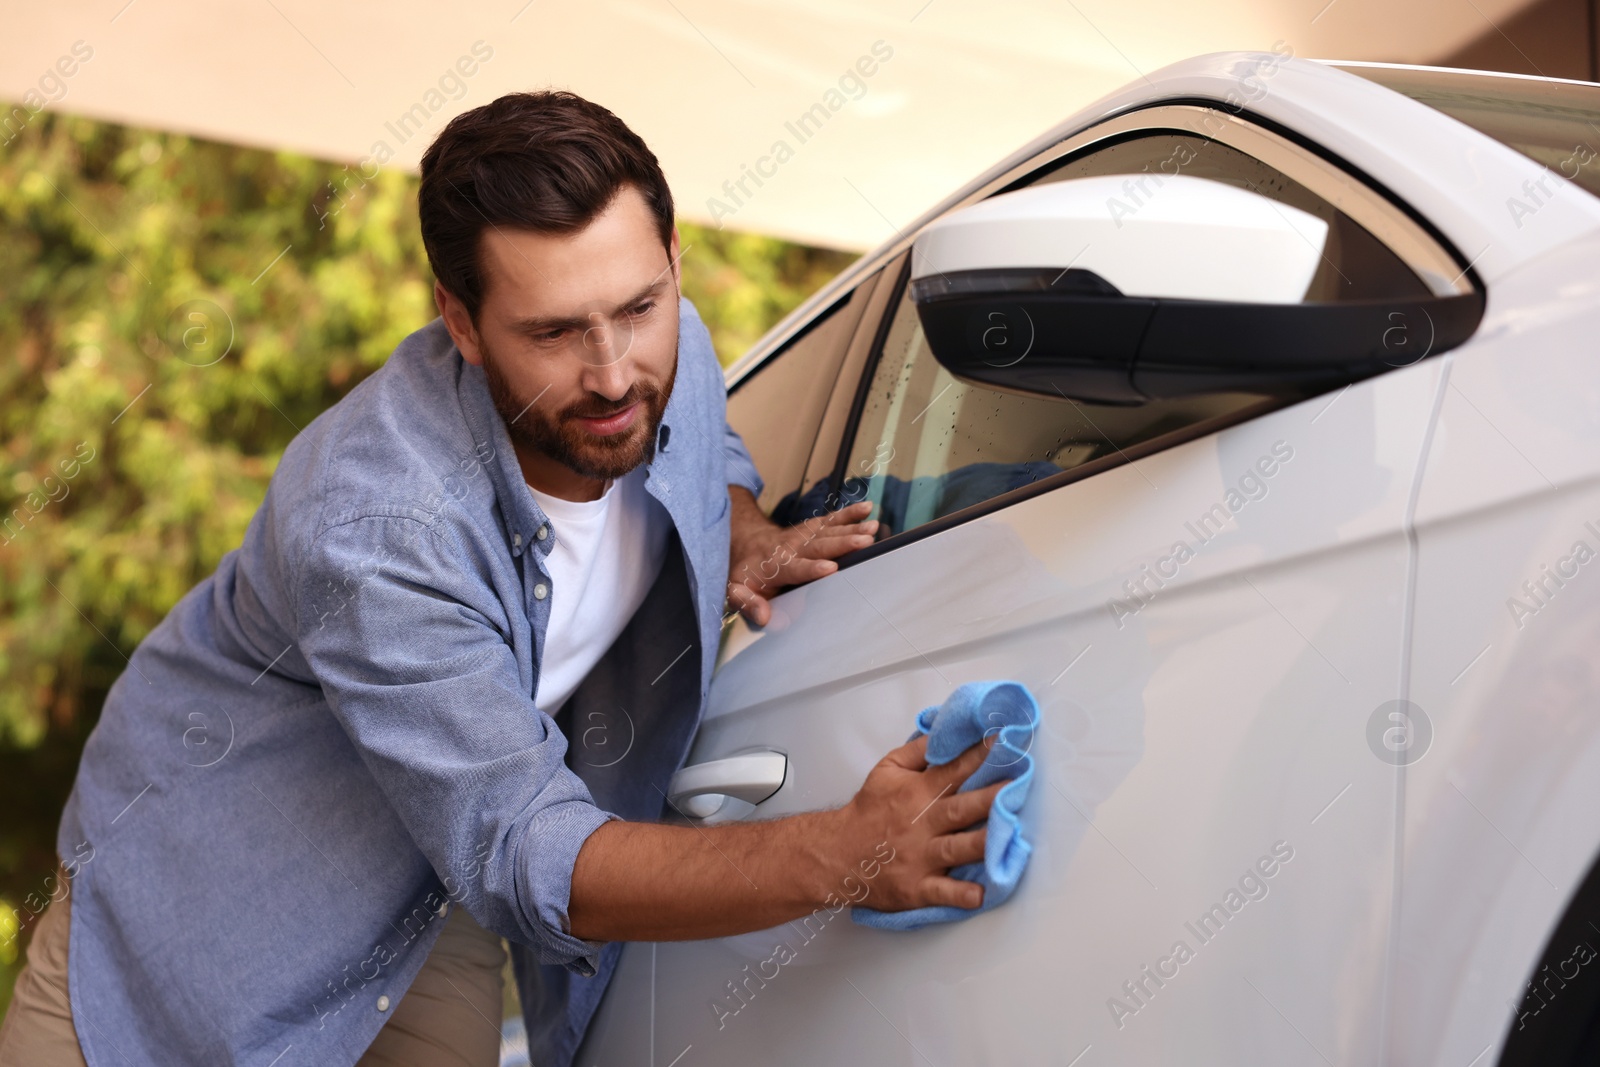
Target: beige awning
826	121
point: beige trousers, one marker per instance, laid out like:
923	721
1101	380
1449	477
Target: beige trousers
450	1016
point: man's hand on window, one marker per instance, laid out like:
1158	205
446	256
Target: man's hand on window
765	558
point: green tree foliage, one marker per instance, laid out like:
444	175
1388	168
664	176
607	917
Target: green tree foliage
175	310
743	283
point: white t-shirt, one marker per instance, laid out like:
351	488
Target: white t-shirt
607	554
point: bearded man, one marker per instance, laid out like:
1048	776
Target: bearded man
341	774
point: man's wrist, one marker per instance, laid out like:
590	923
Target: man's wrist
745	506
748	525
832	841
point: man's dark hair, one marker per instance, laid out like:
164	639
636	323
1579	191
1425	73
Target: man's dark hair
548	161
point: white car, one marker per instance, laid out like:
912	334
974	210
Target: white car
1251	419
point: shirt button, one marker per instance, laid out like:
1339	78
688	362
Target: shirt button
383	1003
542	532
541	591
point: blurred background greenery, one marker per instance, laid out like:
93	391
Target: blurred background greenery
175	310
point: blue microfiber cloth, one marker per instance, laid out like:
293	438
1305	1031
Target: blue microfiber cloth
970	714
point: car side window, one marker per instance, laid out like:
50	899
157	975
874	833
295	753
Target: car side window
927	445
777	407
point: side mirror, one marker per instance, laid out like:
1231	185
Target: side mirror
1062	290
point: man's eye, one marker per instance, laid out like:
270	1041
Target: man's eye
640	309
552	335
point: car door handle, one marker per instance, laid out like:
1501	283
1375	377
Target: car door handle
701	791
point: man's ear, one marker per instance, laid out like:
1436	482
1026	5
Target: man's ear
459	323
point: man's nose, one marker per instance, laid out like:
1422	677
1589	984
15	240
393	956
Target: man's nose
607	369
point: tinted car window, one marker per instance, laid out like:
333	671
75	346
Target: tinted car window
777	407
927	445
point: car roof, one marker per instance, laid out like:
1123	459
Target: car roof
1488	75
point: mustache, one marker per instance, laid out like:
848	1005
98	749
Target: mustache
600	408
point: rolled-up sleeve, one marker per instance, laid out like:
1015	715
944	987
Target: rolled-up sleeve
412	648
741	468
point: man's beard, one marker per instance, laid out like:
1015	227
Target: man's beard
559	437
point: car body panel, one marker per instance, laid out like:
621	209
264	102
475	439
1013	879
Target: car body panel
1216	721
1509	792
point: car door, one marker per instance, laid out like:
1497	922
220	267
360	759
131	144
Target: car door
1206	596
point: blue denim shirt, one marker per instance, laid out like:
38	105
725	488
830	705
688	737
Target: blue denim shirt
332	739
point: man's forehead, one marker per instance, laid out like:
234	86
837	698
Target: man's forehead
598	267
537	275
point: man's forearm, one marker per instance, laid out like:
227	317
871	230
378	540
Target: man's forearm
654	882
903	831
